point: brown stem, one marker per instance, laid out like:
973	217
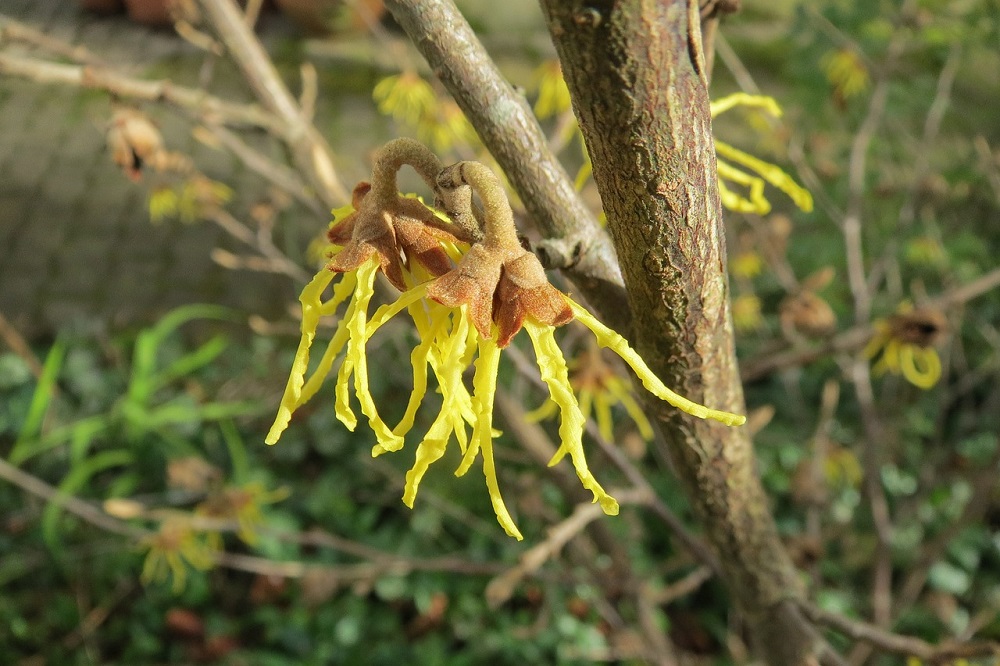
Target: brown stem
899	644
391	157
19	32
510	131
78	507
309	149
499	232
637	77
100	78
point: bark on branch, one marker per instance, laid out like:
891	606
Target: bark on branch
637	77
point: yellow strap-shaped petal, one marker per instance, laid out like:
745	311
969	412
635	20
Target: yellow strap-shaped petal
618	389
311	302
606	337
341	292
602	414
921	366
546	410
449	420
769	172
455	401
552	366
357	354
757	203
745	99
485	384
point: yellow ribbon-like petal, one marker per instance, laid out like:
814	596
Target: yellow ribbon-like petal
555	374
770	173
485	384
921	366
607	337
356	360
451	418
745	99
311	311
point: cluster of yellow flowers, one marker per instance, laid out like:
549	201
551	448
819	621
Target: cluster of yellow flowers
437	120
469	288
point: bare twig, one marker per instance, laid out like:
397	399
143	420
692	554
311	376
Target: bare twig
19	32
93	620
858	336
985	154
932	127
311	153
78	507
207	107
19	346
896	643
310	90
860	375
501	588
851	224
681	588
278	174
381	563
276	261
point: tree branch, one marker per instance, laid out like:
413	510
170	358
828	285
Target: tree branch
310	151
191	99
896	643
638	81
511	133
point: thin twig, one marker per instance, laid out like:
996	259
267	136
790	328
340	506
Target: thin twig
856	171
681	588
207	107
78	507
13	30
310	151
19	346
278	174
932	127
277	262
897	643
501	588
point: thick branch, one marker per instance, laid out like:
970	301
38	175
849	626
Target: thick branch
510	131
637	78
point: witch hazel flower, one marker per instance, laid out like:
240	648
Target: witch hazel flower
469	287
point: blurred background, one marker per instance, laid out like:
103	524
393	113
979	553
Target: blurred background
152	248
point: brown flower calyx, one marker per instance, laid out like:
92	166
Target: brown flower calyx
133	140
396	228
806	312
497	279
923	327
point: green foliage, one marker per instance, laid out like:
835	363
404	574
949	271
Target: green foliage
433	617
116	419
